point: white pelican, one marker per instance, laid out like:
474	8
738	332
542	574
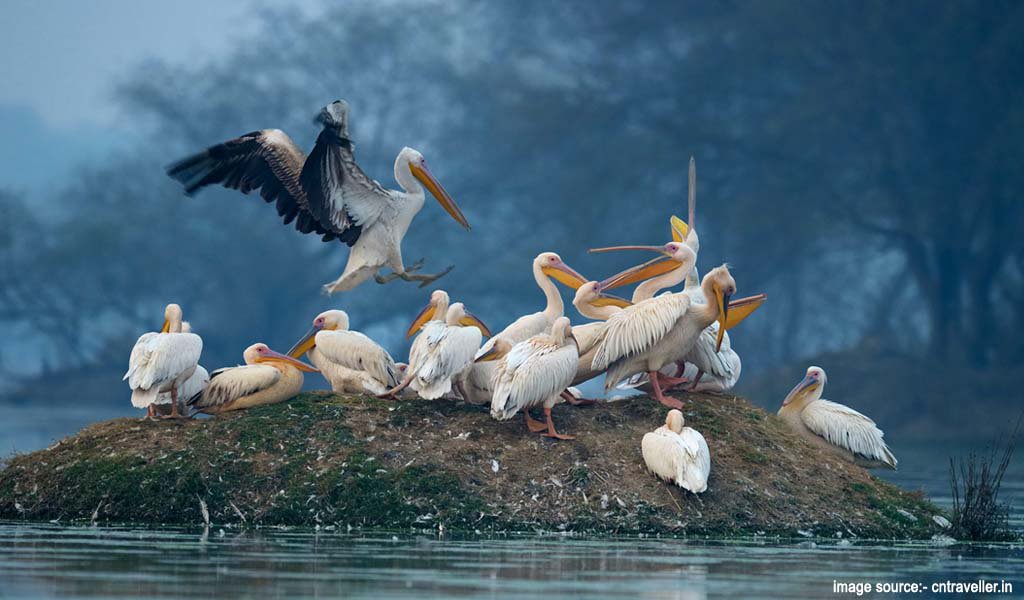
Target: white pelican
162	362
532	373
592	303
651	334
836	427
267	377
326	192
678	454
192	386
546	265
440	353
350	361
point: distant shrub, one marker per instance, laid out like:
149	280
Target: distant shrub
975	481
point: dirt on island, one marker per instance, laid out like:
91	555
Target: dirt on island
333	460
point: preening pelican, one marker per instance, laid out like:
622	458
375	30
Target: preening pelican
651	334
162	362
534	373
592	303
267	377
546	265
192	386
678	454
349	360
441	351
326	193
836	427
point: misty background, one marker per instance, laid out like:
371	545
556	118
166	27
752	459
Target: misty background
859	162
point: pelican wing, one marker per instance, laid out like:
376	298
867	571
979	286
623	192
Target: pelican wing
267	160
638	328
724	364
695	461
231	383
588	335
844	427
532	372
341	197
519	330
356	351
158	358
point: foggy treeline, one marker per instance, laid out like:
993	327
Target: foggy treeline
858	161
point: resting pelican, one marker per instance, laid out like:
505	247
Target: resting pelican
442	351
162	362
350	361
678	454
660	331
546	265
192	386
326	193
267	377
532	373
836	427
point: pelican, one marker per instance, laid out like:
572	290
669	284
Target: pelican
660	331
546	265
532	373
442	351
267	377
162	362
327	193
350	361
678	454
592	303
836	427
192	386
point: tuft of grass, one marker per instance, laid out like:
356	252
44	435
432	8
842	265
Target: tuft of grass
978	515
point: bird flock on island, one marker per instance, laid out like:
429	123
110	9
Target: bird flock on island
659	340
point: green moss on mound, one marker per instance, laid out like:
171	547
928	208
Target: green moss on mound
328	459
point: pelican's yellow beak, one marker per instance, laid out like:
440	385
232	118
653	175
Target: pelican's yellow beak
742	308
166	327
610	300
806	383
723	315
423	175
305	344
565	275
493	354
471	320
679	229
272	356
649	269
425	315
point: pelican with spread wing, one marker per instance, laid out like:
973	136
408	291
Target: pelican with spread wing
327	193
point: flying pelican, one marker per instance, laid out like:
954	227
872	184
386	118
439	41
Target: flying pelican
327	193
836	427
532	373
267	377
678	454
350	361
660	331
162	362
442	351
192	386
546	265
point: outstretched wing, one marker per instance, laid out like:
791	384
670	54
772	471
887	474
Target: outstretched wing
638	328
847	428
267	160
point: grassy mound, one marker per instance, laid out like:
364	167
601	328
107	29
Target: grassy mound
328	459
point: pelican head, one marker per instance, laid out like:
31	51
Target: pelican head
458	315
812	383
551	265
329	320
261	353
723	286
499	348
172	319
591	293
412	162
435	309
334	116
674	421
674	255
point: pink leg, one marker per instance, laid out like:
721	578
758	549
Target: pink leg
659	395
696	380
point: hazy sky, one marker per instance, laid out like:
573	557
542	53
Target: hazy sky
59	61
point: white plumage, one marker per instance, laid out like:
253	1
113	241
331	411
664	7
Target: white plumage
349	360
162	362
192	386
441	352
834	426
267	377
678	454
